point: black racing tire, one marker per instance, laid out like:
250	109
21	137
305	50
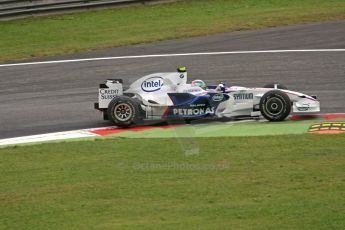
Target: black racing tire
272	86
275	105
124	111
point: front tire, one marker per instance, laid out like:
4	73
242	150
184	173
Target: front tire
124	111
275	105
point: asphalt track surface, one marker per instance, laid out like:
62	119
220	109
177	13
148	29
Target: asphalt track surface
46	98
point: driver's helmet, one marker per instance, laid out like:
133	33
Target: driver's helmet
199	83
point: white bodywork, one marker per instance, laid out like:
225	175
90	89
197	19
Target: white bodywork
152	91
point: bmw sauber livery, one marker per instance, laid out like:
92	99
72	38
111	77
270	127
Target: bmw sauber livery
164	96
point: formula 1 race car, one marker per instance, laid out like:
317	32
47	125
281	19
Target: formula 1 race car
164	96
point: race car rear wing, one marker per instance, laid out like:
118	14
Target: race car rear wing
107	91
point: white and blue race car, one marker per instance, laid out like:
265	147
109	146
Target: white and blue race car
164	96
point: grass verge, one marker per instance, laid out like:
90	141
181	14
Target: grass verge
226	129
69	33
276	182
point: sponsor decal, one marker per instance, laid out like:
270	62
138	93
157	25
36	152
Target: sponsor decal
196	89
108	93
152	84
182	76
243	96
193	111
197	105
218	97
304	107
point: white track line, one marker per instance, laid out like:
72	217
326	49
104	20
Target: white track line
47	137
171	55
64	135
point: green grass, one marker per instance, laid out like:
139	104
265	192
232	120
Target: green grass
226	129
69	33
277	182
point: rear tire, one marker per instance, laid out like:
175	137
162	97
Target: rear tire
124	111
273	85
275	105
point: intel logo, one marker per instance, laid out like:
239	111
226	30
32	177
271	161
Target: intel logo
152	84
